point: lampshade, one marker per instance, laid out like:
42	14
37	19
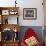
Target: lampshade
15	30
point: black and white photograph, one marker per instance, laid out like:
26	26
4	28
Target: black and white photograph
29	13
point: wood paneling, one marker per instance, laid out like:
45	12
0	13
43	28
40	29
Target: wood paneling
11	26
10	43
44	4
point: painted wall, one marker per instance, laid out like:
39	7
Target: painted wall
26	4
31	4
37	29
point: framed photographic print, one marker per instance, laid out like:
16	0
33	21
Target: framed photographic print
29	13
5	12
13	12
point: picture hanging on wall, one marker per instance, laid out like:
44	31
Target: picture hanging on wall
29	13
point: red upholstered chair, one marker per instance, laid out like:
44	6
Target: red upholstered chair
29	33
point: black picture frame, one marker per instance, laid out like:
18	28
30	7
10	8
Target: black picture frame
29	13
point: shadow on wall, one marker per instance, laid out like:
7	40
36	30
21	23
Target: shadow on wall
37	29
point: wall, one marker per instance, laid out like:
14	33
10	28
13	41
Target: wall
27	4
37	29
38	23
31	4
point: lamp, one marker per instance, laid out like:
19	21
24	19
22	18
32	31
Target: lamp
15	30
15	3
